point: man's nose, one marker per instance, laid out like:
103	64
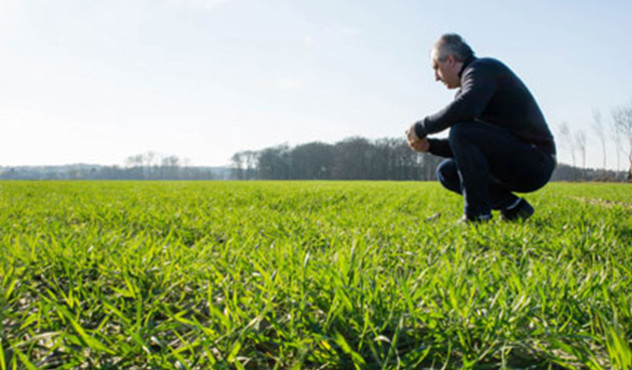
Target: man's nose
437	78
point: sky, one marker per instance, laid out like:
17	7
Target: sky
97	81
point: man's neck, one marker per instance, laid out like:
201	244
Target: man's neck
465	64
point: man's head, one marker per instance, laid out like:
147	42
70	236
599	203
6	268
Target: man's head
447	57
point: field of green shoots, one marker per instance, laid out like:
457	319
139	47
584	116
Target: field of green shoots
310	275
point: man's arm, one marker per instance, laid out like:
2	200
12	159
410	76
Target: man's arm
478	86
440	147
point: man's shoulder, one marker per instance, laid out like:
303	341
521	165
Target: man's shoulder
487	62
487	68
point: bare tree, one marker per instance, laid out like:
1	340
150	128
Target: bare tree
614	135
134	161
237	165
597	126
622	120
580	144
568	140
170	161
169	167
150	158
251	158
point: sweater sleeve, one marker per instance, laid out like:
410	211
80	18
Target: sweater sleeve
478	84
440	147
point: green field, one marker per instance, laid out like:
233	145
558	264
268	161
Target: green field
317	275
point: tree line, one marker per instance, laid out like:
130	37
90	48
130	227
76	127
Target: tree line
354	158
145	166
97	172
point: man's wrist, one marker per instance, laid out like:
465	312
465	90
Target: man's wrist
433	142
420	130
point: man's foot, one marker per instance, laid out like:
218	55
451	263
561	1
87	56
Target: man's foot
475	219
519	211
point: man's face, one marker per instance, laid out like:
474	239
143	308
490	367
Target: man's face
447	71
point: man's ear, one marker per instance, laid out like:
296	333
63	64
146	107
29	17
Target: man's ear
450	59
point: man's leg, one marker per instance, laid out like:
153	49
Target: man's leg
491	163
448	176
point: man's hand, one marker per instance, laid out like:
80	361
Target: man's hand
414	142
421	145
411	135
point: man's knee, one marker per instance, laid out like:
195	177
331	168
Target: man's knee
446	168
448	175
460	131
447	172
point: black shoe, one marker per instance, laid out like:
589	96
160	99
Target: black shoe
519	212
474	219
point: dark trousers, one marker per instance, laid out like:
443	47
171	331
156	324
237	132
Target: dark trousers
489	164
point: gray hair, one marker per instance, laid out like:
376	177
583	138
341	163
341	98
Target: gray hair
452	44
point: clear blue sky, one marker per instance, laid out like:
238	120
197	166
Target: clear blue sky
95	81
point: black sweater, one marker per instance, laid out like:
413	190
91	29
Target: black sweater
492	93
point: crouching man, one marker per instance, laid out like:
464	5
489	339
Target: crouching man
499	142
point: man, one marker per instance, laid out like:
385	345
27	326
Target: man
499	141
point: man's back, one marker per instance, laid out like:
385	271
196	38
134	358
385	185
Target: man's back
506	101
